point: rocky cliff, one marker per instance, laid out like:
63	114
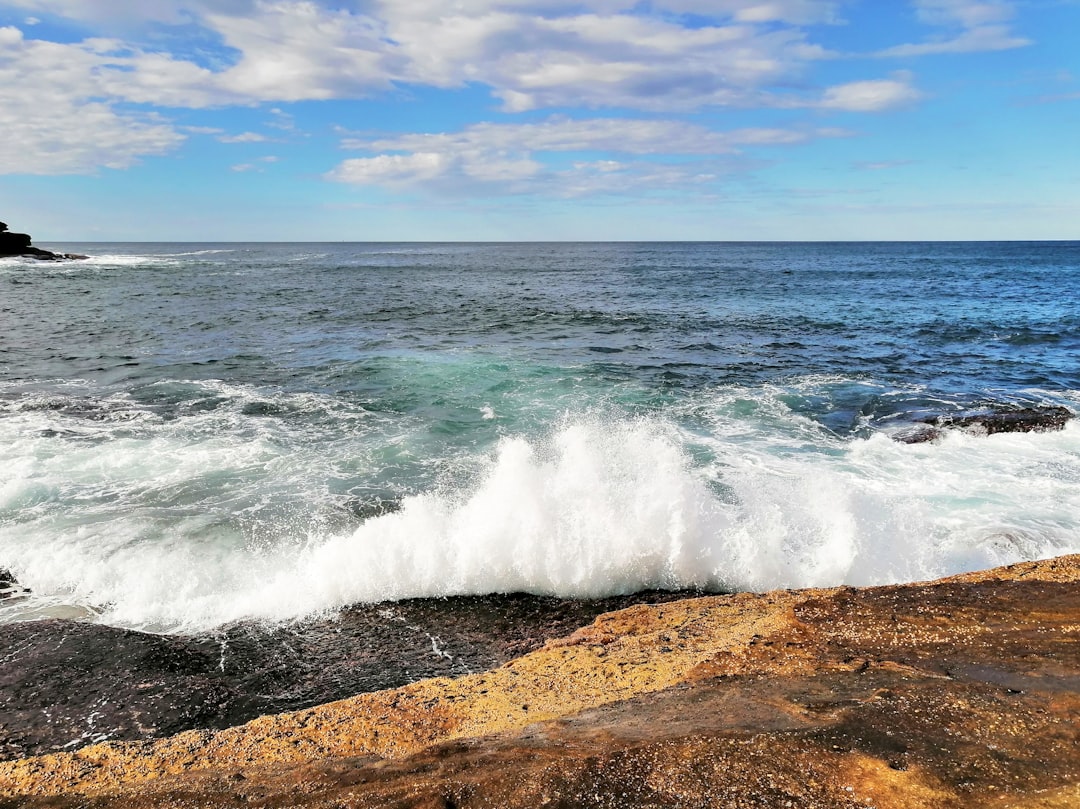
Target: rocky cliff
19	244
963	692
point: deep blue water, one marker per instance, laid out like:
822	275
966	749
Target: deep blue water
195	433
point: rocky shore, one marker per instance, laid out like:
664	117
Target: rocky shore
963	692
20	244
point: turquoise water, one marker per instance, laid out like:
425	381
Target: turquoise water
193	434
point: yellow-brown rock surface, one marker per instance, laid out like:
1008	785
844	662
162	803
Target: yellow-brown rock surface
958	693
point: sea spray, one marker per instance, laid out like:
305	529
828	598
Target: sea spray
191	434
601	505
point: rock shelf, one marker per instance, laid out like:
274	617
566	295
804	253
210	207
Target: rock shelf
963	692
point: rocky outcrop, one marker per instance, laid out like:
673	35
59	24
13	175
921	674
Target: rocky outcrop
65	684
958	693
9	588
988	422
19	244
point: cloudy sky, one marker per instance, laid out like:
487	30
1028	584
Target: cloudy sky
540	119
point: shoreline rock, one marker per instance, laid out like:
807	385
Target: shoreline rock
19	244
988	422
96	682
956	693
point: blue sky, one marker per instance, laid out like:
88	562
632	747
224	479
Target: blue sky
540	119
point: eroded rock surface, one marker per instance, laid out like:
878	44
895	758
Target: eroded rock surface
65	684
959	693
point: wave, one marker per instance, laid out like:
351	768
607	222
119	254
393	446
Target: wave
600	505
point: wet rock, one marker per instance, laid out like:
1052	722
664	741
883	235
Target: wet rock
9	588
66	684
953	694
988	422
19	244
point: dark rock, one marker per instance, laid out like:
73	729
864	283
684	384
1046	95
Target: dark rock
9	587
953	694
19	244
66	684
989	422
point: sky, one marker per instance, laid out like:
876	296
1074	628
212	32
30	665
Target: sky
463	120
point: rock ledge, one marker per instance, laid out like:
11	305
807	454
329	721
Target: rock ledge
957	693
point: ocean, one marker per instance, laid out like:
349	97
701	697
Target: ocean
198	434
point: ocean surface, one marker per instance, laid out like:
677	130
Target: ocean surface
193	434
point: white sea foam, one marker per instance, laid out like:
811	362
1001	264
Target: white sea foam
599	506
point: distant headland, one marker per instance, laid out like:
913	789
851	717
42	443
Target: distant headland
19	244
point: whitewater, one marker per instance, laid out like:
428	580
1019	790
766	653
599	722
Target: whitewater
192	435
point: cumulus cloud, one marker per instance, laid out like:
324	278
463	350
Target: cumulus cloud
663	56
516	158
532	54
971	26
600	60
875	95
49	123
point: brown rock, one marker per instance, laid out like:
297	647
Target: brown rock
958	693
64	684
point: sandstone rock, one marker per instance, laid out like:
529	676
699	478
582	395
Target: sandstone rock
65	683
951	694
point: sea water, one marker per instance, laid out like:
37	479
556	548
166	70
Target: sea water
197	434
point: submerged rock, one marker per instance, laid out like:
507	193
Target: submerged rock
19	244
988	422
944	695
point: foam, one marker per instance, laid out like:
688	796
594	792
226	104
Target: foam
600	505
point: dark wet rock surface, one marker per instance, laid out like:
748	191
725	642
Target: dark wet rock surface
9	587
988	422
65	684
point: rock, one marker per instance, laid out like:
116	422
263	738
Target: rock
66	684
988	422
19	244
9	587
95	682
958	693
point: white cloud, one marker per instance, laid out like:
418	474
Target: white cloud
973	26
530	54
875	95
557	134
391	169
503	158
293	51
244	167
243	137
49	123
599	60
